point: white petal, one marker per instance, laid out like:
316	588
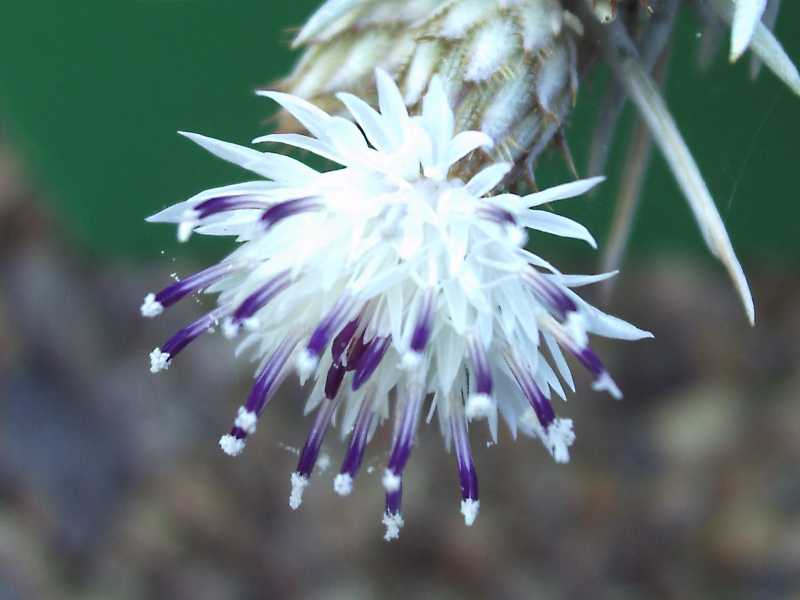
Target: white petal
464	143
314	119
368	118
390	101
303	142
574	281
561	192
271	166
746	17
552	223
326	14
487	179
438	117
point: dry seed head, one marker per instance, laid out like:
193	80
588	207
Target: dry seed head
509	66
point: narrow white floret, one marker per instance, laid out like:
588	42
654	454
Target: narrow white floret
306	363
187	225
151	307
394	523
410	361
252	324
343	484
230	329
575	326
299	484
559	438
479	406
159	361
604	383
391	482
470	508
246	420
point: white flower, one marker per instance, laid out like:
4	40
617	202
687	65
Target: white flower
390	284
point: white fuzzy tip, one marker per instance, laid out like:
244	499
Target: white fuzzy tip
479	406
151	307
559	438
470	508
575	326
306	363
604	383
391	482
230	329
343	484
410	361
159	361
246	420
230	445
393	523
299	484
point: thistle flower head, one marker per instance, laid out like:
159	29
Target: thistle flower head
391	284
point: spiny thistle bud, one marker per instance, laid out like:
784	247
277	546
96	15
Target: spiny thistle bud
508	67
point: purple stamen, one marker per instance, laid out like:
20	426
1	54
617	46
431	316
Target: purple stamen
332	321
355	451
466	468
289	208
550	293
310	451
178	290
539	403
369	360
261	297
334	380
270	377
590	361
405	428
188	334
342	339
220	204
423	326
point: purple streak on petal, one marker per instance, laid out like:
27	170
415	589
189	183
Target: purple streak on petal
480	367
270	377
358	438
342	339
355	351
393	500
329	324
178	290
424	324
310	451
261	297
539	403
334	380
220	204
497	215
188	334
370	359
466	468
289	208
405	428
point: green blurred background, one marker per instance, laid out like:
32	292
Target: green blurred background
92	94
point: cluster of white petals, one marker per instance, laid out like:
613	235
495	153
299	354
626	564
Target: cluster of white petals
397	289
